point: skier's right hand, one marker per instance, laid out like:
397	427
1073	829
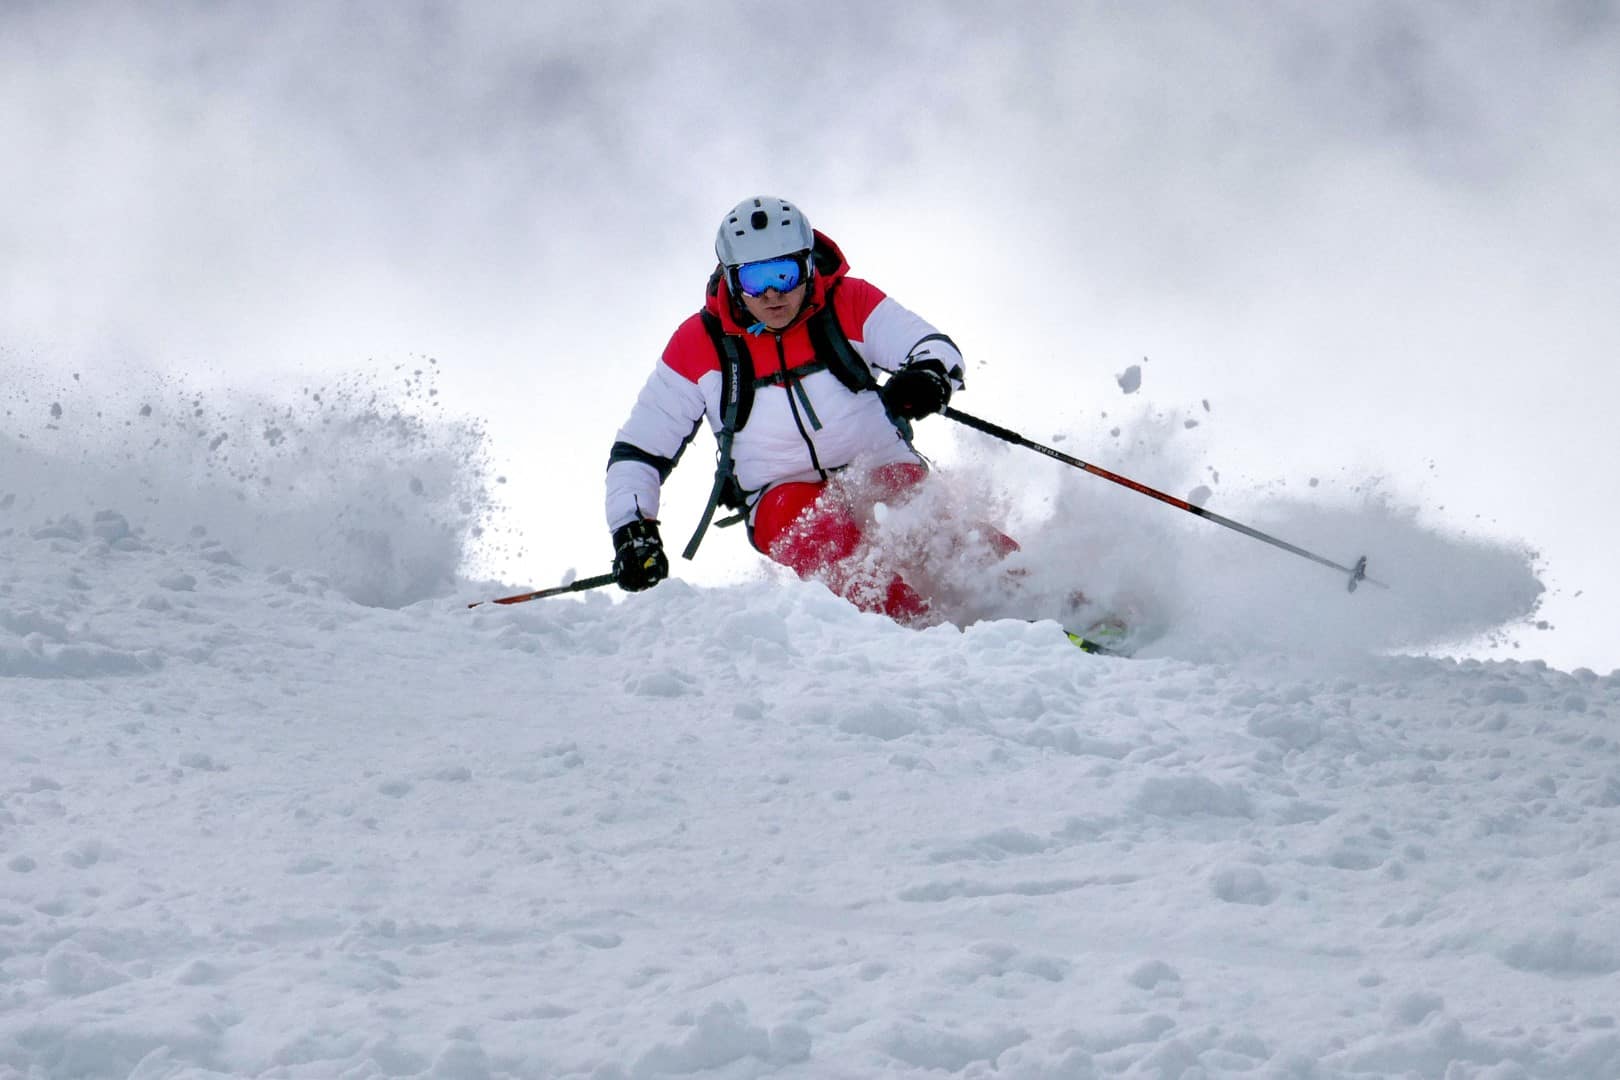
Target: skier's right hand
639	561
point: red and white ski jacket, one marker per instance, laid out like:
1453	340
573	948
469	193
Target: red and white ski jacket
804	425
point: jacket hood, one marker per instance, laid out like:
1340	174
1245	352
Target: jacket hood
830	266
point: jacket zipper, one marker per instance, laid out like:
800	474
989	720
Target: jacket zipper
793	406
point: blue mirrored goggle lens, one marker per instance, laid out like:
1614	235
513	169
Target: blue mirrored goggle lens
782	275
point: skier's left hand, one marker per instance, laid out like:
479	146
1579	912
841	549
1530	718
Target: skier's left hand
919	389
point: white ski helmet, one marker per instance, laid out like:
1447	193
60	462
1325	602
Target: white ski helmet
762	228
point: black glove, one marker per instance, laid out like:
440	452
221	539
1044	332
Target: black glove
639	561
919	389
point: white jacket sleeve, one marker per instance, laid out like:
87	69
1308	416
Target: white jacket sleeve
894	336
664	420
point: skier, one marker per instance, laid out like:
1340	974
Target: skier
783	361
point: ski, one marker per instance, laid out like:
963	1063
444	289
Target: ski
1097	648
1110	636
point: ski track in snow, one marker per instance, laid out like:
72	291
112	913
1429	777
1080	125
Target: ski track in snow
249	827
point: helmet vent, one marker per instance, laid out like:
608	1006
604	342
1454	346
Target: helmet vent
759	219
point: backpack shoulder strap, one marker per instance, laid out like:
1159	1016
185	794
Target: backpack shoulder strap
736	374
830	342
736	398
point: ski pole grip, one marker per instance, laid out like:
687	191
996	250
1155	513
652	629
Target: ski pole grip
985	426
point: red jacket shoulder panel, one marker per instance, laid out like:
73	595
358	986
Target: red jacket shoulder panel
690	352
853	302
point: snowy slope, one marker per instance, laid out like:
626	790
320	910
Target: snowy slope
275	803
249	827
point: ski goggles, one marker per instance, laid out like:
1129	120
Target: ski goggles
783	275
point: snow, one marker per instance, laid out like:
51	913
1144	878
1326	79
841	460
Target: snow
272	810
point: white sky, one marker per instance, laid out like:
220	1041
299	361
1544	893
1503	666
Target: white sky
1380	239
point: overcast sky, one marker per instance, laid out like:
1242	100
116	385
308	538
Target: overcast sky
1379	239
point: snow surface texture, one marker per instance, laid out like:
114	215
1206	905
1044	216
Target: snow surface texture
252	823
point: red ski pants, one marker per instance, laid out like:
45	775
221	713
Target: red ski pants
816	530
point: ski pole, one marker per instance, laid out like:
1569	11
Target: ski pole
578	586
1358	573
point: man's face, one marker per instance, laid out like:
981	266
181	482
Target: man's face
776	309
